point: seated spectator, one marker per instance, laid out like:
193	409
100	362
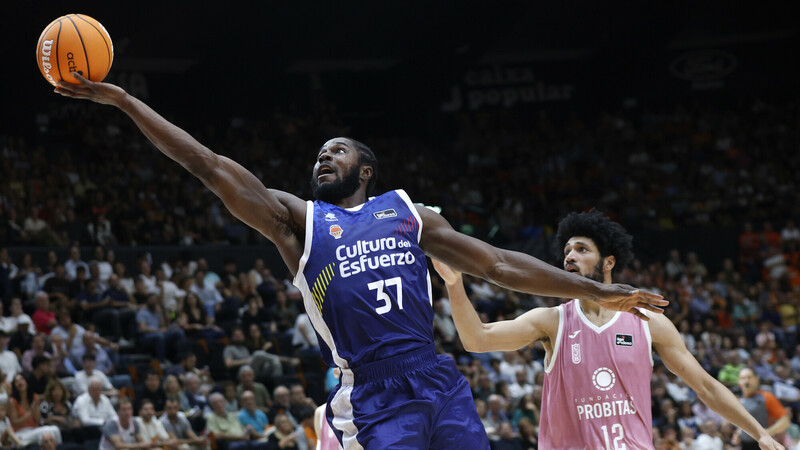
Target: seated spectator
172	388
255	313
63	365
195	321
179	428
9	363
151	390
251	416
196	402
92	408
122	430
299	404
43	371
56	410
121	310
92	346
265	365
7	436
71	333
38	344
231	399
154	333
24	413
281	404
8	325
59	288
227	429
287	435
44	319
82	378
247	383
150	428
189	365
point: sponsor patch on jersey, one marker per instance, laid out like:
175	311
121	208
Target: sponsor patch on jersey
331	217
625	340
385	214
336	231
576	353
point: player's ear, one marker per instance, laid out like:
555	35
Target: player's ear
366	172
609	263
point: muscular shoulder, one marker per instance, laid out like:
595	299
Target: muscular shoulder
295	205
662	330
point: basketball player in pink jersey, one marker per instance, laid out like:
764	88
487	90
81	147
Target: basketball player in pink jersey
598	364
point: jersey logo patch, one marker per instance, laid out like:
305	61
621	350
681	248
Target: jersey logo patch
331	217
385	214
576	353
625	340
604	378
336	231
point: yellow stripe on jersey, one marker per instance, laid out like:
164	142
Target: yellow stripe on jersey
321	284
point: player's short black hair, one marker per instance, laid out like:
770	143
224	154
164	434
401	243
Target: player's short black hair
366	157
610	237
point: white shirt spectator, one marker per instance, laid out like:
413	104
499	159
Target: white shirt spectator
151	430
170	294
304	335
90	413
77	342
149	283
105	270
8	324
82	381
71	268
9	364
706	442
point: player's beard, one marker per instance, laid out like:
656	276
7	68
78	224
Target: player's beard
337	190
597	274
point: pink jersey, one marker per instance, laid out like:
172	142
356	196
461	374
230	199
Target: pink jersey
597	384
326	439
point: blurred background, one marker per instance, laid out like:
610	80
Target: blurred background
680	121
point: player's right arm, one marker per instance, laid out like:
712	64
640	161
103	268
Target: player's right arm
277	215
506	335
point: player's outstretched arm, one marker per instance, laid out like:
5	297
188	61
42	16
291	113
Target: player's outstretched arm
506	335
270	212
667	342
521	272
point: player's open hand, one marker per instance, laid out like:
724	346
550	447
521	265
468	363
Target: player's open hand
450	276
621	297
105	93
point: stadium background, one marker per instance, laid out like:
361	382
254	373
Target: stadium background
681	122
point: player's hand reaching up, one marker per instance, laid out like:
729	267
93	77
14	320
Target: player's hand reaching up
450	276
105	93
621	297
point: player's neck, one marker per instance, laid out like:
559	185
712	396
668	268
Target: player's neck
595	313
359	198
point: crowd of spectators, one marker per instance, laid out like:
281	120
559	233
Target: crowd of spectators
89	176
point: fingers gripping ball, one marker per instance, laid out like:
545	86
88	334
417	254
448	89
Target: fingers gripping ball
74	43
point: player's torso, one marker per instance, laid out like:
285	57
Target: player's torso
365	280
597	385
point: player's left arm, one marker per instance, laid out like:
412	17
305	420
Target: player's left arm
522	272
667	342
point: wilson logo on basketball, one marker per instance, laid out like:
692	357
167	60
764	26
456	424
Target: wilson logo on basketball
336	231
47	47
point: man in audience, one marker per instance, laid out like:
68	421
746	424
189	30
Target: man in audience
82	378
92	408
265	365
251	416
281	404
38	345
226	427
150	428
122	432
153	331
44	319
179	428
247	383
151	390
9	363
43	371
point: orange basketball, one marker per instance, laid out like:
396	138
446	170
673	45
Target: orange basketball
74	43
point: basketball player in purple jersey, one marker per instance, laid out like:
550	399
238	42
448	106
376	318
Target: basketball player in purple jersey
596	392
360	264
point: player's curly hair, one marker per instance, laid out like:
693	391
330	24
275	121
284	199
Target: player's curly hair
366	157
609	236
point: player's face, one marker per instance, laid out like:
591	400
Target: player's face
336	174
581	256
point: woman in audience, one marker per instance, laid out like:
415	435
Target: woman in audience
194	320
24	413
56	409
